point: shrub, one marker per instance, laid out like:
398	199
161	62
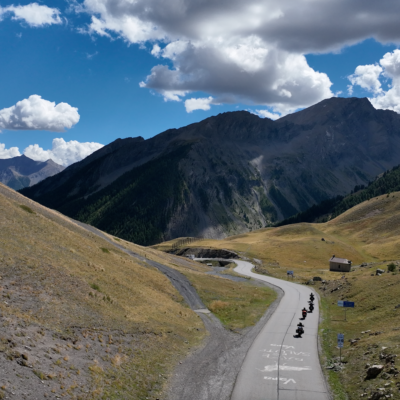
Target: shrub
104	250
95	286
40	375
218	305
27	209
391	267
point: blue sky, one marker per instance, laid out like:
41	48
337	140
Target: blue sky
97	67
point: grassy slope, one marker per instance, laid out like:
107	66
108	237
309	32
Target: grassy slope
62	281
375	298
369	232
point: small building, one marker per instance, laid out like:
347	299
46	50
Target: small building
339	264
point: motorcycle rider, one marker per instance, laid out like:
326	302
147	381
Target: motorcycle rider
311	307
300	329
304	313
312	296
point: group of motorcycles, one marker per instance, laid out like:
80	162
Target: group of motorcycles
300	326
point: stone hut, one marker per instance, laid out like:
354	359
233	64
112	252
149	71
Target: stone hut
339	264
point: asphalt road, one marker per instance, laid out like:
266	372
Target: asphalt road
278	365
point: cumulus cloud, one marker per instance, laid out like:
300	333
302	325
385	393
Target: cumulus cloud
62	152
35	113
243	51
368	77
33	14
8	153
198	104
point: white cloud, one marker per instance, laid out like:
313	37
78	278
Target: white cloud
389	68
367	76
243	51
8	153
62	152
36	113
267	114
156	50
198	104
33	14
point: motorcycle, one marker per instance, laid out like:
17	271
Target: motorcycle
300	331
311	308
304	313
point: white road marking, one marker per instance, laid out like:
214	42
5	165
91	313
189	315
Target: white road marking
288	381
270	368
285	380
203	311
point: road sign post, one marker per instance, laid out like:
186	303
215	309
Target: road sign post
345	304
340	343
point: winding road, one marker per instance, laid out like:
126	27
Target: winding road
279	366
269	363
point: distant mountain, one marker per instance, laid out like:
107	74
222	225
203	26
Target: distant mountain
228	174
385	183
20	172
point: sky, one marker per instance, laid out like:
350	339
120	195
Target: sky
77	74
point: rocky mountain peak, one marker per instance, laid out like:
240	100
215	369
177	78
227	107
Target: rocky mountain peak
21	171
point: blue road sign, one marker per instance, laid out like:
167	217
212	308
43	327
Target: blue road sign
340	340
343	303
290	272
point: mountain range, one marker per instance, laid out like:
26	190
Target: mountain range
19	172
228	174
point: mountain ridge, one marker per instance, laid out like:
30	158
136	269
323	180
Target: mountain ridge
21	171
240	173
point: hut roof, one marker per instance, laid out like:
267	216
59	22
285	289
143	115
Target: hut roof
340	260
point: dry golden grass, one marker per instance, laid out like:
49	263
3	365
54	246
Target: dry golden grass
61	277
237	304
375	299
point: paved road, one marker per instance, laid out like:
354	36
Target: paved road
279	366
